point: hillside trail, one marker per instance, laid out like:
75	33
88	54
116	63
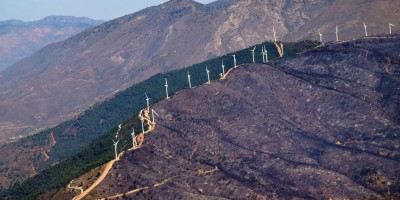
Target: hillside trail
109	165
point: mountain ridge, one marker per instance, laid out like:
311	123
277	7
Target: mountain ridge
19	39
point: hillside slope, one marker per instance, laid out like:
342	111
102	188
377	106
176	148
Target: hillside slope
75	146
20	39
65	78
321	125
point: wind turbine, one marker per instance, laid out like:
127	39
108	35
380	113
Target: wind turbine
282	48
166	87
223	68
234	60
320	37
115	149
390	28
208	75
152	115
142	119
337	30
273	29
133	138
266	54
147	101
263	53
365	28
190	83
252	53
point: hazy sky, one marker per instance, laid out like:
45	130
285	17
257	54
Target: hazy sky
31	10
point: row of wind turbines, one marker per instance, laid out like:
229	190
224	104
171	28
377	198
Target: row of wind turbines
264	54
365	31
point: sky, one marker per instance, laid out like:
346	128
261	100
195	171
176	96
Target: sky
32	10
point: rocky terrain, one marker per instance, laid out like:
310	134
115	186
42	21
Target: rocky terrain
65	78
322	125
20	39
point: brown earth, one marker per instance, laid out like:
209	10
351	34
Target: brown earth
322	125
65	78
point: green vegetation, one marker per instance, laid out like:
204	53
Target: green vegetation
97	126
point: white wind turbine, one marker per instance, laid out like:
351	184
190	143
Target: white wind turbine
390	28
147	101
166	87
234	61
223	68
208	75
252	53
266	54
133	138
263	53
337	36
282	48
142	119
273	30
320	36
115	149
152	115
365	29
190	83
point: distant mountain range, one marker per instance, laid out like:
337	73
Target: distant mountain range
65	78
20	39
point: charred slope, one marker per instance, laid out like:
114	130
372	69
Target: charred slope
320	125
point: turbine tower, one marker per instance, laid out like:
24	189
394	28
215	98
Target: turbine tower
115	149
190	83
365	28
337	30
252	53
266	54
282	48
147	101
263	53
142	119
223	68
152	115
273	29
208	75
133	138
390	28
234	61
320	37
166	87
